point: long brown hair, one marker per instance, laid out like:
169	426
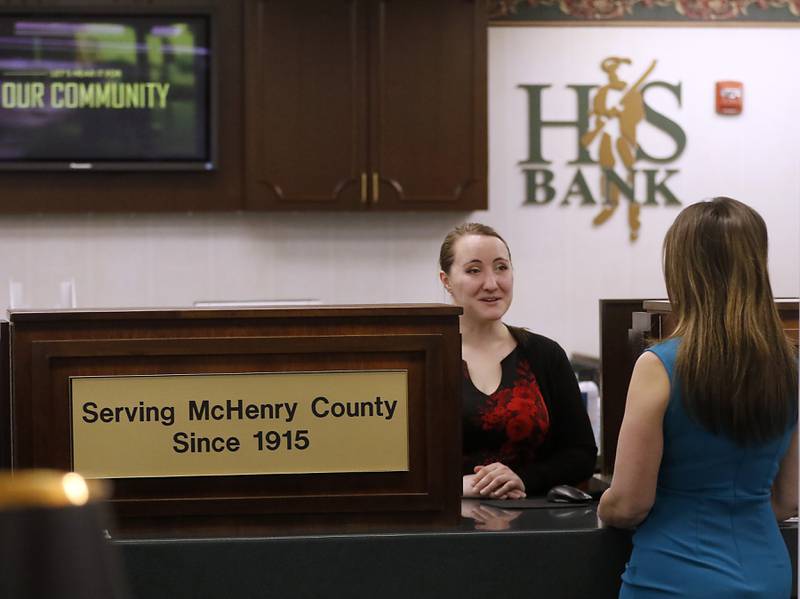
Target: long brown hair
737	367
447	251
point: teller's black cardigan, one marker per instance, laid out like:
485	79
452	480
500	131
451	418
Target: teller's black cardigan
568	453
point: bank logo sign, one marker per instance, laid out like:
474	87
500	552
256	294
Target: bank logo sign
610	165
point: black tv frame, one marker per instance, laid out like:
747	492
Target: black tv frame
102	11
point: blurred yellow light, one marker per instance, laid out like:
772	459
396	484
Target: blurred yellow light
75	488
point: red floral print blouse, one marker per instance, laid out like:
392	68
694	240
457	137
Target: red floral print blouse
510	424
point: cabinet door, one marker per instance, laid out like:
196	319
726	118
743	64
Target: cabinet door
305	104
428	104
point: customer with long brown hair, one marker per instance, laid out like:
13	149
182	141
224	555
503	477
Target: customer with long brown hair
707	455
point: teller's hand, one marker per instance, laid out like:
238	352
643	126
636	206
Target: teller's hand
467	490
497	481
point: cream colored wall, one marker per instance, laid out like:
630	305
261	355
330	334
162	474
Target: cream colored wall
173	260
563	265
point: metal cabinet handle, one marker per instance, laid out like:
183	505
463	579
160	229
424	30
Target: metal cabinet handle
376	190
363	188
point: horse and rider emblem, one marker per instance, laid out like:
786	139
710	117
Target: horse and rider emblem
617	148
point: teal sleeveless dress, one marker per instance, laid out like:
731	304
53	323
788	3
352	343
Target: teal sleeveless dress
711	532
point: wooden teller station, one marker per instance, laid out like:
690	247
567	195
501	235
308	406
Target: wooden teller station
297	452
209	420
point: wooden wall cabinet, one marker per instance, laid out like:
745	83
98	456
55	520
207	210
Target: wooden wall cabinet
365	104
319	104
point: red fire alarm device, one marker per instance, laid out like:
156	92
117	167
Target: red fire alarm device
729	97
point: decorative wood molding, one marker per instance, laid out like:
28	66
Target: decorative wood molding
689	10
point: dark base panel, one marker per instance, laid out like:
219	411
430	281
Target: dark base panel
579	564
548	554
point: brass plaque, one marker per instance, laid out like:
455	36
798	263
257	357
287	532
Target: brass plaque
237	424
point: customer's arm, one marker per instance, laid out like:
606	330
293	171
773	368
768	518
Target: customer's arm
784	487
639	447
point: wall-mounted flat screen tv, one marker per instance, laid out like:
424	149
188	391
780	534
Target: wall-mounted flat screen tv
105	93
